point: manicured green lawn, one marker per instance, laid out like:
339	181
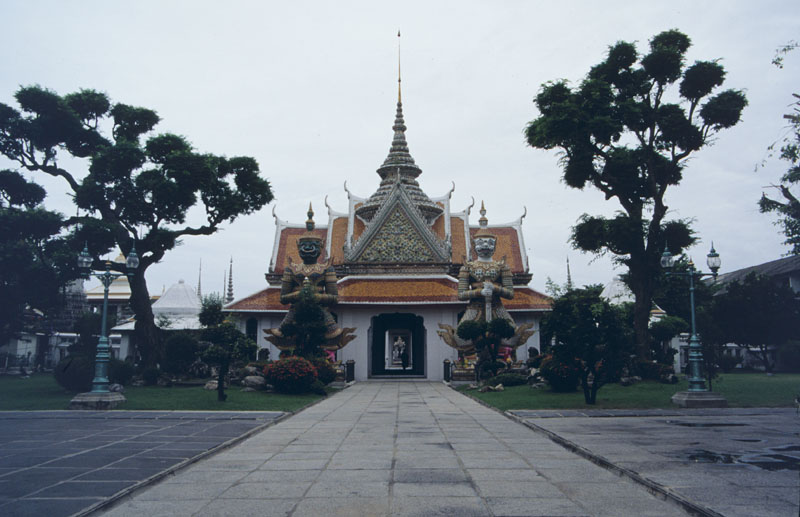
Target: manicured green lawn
41	391
740	389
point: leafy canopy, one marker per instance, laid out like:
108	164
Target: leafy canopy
36	260
136	187
627	131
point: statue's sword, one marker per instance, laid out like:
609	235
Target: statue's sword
488	307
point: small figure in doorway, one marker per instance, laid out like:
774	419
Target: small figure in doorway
404	356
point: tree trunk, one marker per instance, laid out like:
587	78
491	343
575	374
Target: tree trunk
223	371
642	287
148	337
587	398
764	353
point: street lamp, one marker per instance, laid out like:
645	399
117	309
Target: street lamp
99	397
697	395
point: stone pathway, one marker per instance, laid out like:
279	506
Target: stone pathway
59	463
737	462
395	448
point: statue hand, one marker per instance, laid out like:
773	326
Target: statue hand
488	289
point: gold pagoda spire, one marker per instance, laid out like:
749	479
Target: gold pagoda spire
399	93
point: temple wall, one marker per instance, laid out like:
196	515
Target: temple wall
360	317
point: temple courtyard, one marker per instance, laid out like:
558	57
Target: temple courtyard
401	448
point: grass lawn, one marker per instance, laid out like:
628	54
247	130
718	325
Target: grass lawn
41	391
740	389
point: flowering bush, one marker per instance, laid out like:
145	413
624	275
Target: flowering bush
326	372
291	375
562	375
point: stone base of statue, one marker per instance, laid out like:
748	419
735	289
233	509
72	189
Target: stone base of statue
699	399
96	401
333	342
448	334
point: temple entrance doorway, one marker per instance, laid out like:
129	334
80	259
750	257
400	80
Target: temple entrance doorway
397	347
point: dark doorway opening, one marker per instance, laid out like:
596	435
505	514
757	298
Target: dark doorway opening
398	339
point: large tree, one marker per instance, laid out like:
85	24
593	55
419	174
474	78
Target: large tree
626	131
35	259
787	206
133	187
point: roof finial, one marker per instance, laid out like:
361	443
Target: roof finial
229	297
199	280
569	277
310	220
399	95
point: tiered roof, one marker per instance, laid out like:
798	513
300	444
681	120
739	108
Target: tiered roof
397	246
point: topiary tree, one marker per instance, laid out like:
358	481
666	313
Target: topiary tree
487	339
180	351
227	343
590	330
626	132
307	329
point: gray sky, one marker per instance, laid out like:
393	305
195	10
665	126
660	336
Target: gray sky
309	90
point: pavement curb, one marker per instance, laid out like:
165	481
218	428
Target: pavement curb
128	492
651	486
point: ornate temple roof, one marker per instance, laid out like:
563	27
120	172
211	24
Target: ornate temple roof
393	290
399	169
398	246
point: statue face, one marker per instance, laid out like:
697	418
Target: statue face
484	247
309	251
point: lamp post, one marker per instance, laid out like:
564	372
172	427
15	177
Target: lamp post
698	394
100	397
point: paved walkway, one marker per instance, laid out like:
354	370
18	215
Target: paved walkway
737	462
58	463
395	448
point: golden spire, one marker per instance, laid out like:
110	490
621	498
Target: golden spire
399	95
310	221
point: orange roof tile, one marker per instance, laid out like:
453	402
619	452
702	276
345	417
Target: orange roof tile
507	246
358	228
338	236
400	290
267	300
287	246
457	240
438	227
528	299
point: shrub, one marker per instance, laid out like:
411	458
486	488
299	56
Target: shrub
150	375
318	388
470	329
180	351
562	375
75	373
326	372
508	379
650	370
291	375
535	361
789	357
120	372
728	362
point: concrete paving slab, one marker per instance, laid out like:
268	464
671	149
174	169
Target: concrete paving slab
729	461
79	459
394	448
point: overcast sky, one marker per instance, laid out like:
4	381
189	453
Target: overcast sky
309	90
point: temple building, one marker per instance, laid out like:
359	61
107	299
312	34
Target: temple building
397	256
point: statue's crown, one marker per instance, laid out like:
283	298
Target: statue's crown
309	234
483	232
